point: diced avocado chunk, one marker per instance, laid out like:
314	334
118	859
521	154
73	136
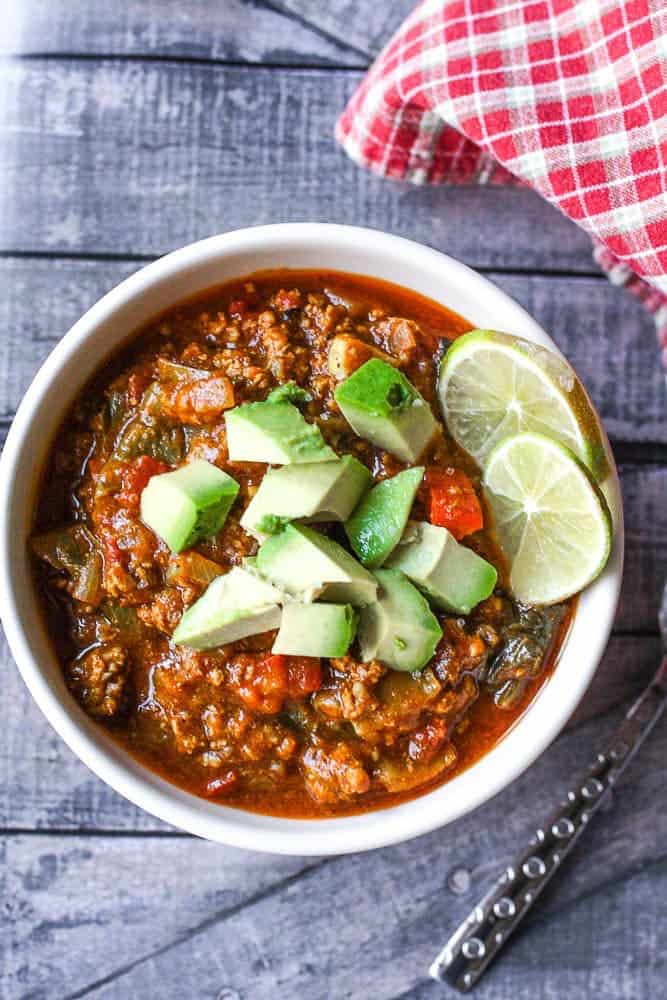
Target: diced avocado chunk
316	629
453	576
187	505
384	408
318	491
399	628
274	432
378	522
307	564
232	607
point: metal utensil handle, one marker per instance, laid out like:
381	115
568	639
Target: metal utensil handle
481	936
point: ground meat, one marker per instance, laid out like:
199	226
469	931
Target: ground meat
164	613
131	551
353	670
244	371
99	678
461	650
195	354
333	773
220	733
234	734
325	316
454	702
350	695
284	359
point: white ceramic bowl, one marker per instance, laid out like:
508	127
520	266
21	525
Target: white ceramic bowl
82	351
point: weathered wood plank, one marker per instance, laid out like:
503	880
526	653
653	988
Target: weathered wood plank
605	333
579	951
84	911
43	786
142	157
644	492
59	890
367	26
233	31
606	945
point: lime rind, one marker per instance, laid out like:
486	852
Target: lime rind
552	521
493	385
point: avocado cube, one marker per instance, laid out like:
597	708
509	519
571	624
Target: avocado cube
274	432
232	607
377	524
307	564
316	630
453	576
316	491
399	628
381	406
187	505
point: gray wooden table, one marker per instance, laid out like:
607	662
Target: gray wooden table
131	128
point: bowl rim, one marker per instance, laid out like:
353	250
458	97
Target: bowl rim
522	744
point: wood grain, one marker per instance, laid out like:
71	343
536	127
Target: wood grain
232	31
354	956
44	786
367	26
66	896
604	332
358	926
132	157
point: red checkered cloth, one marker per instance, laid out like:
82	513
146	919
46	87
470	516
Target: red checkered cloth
568	96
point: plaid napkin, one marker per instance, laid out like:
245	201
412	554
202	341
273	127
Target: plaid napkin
568	96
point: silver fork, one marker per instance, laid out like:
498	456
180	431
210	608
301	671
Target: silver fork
479	939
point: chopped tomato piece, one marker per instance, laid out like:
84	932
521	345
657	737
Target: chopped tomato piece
221	785
135	477
453	503
264	684
304	675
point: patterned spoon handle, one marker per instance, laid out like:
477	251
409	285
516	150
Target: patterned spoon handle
481	936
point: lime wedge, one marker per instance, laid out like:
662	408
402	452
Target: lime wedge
492	385
552	521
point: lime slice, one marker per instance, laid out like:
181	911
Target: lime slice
492	385
552	521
